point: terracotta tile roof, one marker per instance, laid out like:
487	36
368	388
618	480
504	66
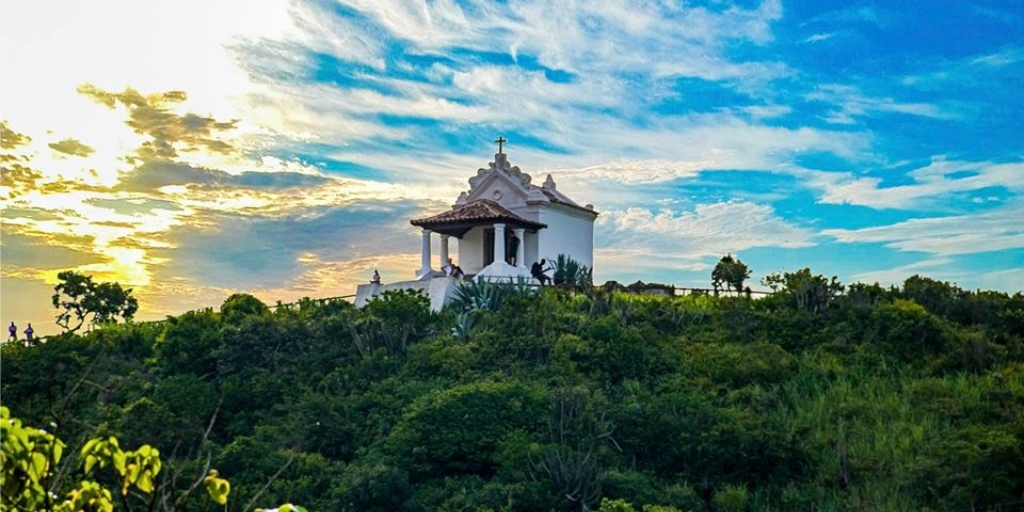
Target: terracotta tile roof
481	211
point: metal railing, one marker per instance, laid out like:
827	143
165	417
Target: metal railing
318	302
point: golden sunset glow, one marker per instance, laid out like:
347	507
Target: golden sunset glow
193	149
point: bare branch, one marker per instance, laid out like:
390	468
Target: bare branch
248	506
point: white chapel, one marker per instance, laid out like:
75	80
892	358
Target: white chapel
503	223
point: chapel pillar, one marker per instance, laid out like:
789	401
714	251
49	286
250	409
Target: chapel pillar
499	242
444	251
424	255
521	235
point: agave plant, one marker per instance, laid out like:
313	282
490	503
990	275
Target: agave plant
572	273
464	322
478	295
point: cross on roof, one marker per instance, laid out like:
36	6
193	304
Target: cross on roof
501	140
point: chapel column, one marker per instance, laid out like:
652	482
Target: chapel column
444	251
499	242
424	255
521	235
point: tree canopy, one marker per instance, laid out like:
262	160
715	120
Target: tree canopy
729	273
77	297
820	396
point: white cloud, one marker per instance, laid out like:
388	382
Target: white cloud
948	269
684	147
938	179
820	37
758	112
852	103
707	230
976	71
1001	58
856	13
632	172
932	267
995	230
326	31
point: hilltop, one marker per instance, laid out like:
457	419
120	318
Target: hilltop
816	397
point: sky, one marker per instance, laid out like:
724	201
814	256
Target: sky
194	149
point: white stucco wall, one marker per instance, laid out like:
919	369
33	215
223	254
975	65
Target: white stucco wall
530	249
471	251
439	289
567	233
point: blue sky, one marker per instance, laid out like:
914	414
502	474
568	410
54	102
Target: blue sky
192	150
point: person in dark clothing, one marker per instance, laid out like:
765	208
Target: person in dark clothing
537	271
13	331
512	250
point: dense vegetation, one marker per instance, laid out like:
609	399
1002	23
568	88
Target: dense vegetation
817	397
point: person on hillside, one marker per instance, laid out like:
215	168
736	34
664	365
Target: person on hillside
29	331
537	271
13	332
376	277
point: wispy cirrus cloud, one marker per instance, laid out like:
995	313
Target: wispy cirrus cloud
973	71
861	14
705	231
852	104
549	69
817	38
930	184
998	229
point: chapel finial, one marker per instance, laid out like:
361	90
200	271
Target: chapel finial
501	140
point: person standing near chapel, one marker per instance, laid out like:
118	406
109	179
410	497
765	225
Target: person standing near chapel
13	332
512	250
29	331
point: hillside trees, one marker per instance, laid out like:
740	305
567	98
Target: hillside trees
807	291
853	398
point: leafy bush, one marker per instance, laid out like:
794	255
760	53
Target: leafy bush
241	305
458	430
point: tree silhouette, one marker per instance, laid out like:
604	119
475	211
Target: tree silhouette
77	296
729	273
